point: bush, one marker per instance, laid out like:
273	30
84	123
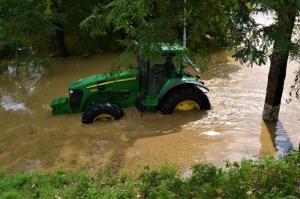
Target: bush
267	177
3	66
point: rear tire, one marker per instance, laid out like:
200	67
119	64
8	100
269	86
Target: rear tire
187	96
100	110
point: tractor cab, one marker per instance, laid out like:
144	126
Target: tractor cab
157	70
161	65
160	73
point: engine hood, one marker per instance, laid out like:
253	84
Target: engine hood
101	79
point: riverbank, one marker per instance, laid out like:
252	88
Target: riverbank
267	177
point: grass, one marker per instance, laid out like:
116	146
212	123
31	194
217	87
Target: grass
268	177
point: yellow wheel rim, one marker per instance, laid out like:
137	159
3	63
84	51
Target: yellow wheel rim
186	105
103	117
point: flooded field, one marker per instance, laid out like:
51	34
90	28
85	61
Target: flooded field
32	138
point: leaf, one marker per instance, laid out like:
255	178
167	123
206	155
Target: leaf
219	191
57	197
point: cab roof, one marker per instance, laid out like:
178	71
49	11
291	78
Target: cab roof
163	48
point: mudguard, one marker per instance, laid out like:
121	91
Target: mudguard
181	84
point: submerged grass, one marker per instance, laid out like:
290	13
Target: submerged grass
268	177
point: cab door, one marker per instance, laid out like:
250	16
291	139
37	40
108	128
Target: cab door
144	68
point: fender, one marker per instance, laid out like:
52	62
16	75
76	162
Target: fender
180	84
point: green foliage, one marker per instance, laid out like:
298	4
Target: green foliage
257	39
124	61
79	40
18	36
203	174
106	175
161	183
3	66
34	24
159	21
264	178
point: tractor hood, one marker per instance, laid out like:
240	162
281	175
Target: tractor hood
101	79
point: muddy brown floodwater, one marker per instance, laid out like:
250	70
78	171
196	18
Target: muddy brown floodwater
32	138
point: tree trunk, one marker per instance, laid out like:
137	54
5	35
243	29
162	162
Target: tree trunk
279	59
59	39
276	79
59	42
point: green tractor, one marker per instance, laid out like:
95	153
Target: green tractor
157	83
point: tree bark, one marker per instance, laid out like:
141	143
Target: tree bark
275	86
59	39
279	60
59	42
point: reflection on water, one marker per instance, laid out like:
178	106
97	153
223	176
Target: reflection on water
211	133
32	138
8	104
12	69
274	139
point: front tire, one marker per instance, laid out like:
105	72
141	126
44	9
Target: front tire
101	111
183	98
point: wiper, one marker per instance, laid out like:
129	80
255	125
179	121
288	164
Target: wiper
187	60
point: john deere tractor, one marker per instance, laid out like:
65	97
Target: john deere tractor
159	82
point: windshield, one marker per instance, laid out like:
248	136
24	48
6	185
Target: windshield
160	60
158	69
178	61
